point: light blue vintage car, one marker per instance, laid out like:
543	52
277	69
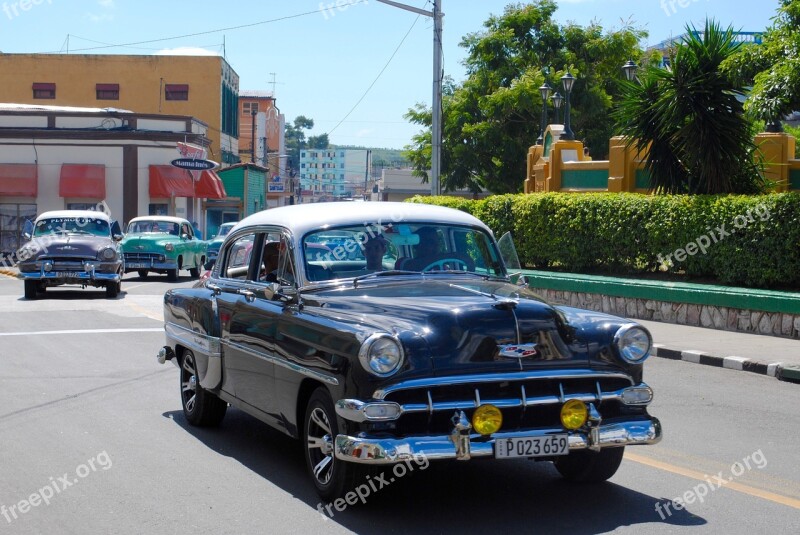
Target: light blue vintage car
215	242
162	244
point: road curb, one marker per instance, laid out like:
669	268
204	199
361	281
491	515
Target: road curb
771	369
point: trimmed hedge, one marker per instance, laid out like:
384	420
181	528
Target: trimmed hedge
738	240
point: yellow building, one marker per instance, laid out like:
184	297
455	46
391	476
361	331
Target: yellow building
205	87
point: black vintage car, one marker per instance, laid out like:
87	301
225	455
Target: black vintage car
71	247
377	333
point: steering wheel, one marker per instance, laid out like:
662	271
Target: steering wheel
448	264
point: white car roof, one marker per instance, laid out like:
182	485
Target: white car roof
303	218
167	218
74	213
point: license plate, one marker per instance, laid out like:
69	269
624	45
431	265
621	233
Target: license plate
138	265
512	448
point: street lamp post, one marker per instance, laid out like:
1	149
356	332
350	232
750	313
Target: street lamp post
630	69
558	101
567	81
545	92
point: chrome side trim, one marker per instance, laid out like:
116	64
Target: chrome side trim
302	370
381	393
207	345
373	450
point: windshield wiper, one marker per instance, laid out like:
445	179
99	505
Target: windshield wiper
388	273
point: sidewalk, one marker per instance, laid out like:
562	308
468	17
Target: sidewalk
766	355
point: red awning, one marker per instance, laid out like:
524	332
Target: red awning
168	181
83	180
210	186
19	180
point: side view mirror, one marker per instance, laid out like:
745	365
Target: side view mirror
185	236
26	235
117	237
519	279
209	264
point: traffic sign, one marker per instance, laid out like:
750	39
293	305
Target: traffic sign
194	164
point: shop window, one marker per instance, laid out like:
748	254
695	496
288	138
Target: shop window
107	91
176	91
158	209
44	90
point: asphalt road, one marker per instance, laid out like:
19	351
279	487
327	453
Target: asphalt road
91	422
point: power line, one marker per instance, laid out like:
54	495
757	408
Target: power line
377	77
195	34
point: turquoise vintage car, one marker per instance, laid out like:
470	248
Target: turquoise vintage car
215	242
162	244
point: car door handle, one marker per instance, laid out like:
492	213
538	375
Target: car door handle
214	288
248	295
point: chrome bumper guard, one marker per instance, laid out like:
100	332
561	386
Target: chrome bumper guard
366	450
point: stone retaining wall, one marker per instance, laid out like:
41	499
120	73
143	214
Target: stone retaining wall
714	317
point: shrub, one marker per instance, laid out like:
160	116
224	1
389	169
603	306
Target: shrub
734	239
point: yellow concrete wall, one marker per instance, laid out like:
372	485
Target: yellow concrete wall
140	78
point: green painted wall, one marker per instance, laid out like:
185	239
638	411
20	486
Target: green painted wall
584	179
794	179
233	180
642	179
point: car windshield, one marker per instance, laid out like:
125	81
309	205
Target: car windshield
362	249
153	226
224	230
72	225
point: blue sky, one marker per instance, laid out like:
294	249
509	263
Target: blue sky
325	57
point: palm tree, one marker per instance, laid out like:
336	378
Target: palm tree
690	120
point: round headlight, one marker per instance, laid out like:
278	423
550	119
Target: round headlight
381	355
633	343
574	414
108	253
169	247
487	419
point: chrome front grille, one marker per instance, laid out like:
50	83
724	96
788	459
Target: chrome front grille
144	257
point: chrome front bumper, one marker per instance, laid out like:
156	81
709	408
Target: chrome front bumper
67	276
366	450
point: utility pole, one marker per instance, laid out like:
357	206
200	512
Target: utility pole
366	173
436	108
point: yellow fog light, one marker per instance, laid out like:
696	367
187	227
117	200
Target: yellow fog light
487	419
574	414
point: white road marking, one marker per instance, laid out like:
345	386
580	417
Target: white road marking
88	331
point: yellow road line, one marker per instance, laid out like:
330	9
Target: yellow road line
732	485
145	312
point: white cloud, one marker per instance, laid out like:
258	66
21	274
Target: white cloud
106	3
186	51
94	17
364	132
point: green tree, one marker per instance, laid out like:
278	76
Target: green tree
772	68
691	119
492	117
295	139
318	142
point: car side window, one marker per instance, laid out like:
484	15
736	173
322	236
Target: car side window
276	260
238	258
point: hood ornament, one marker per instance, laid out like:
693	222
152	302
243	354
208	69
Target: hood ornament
518	351
68	248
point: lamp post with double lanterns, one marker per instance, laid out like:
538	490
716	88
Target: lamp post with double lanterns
544	91
567	81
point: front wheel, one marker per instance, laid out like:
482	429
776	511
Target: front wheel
113	289
331	477
588	466
172	275
142	273
31	289
200	407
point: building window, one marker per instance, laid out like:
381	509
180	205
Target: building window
107	91
158	209
249	107
44	90
176	91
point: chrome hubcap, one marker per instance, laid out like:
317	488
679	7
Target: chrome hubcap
320	445
188	382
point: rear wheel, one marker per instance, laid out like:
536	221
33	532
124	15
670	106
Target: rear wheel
200	407
588	466
142	273
194	272
331	476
